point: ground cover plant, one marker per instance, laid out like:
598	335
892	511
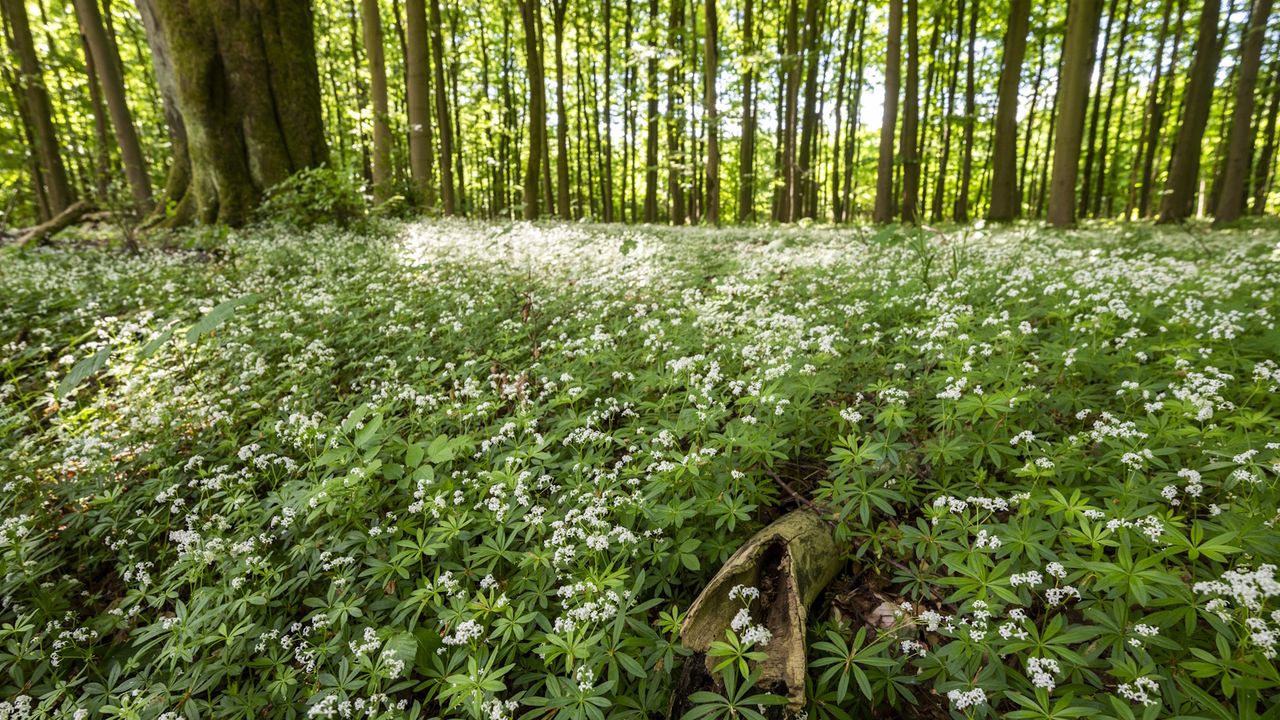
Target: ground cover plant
480	471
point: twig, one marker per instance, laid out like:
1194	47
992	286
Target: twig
817	509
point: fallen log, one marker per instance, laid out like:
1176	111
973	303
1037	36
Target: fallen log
38	234
791	561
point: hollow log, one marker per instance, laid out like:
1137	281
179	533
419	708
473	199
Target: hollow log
791	561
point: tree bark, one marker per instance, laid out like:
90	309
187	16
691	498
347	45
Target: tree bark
1231	201
179	175
249	95
1184	168
893	69
790	115
851	145
1100	177
961	213
102	169
651	124
1004	171
372	21
837	210
1086	187
812	44
939	191
747	151
1072	99
1262	168
448	197
910	118
711	59
529	10
52	180
558	9
675	111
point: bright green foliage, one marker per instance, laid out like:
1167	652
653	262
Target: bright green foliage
474	471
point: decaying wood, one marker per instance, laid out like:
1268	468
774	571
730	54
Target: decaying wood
790	562
39	233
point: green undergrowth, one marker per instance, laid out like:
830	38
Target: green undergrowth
481	471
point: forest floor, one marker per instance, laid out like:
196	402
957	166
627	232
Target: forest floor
469	470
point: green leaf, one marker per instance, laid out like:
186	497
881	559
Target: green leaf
217	316
81	372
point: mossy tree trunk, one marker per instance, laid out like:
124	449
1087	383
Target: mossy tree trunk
249	97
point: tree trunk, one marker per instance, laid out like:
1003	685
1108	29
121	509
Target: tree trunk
1149	129
102	169
939	191
931	76
893	69
529	10
1004	171
837	210
851	145
790	113
910	118
371	19
747	151
1023	187
179	175
1262	168
558	9
448	197
711	60
1231	201
1100	178
651	124
52	181
1072	100
607	155
249	95
970	119
1086	189
675	109
1184	168
809	116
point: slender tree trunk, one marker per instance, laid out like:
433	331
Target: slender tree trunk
970	118
1100	178
1262	168
1004	179
812	45
651	123
1042	190
675	109
102	169
1023	188
249	95
371	19
1231	201
107	63
837	208
851	145
939	21
948	118
558	9
709	64
747	150
1086	187
791	114
34	99
1184	168
1146	139
448	196
1073	99
607	155
889	120
529	10
910	118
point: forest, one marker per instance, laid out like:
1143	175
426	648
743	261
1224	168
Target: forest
639	360
666	111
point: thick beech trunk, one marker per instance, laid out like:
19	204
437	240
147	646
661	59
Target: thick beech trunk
883	212
1004	171
1184	168
249	97
1073	98
1231	201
